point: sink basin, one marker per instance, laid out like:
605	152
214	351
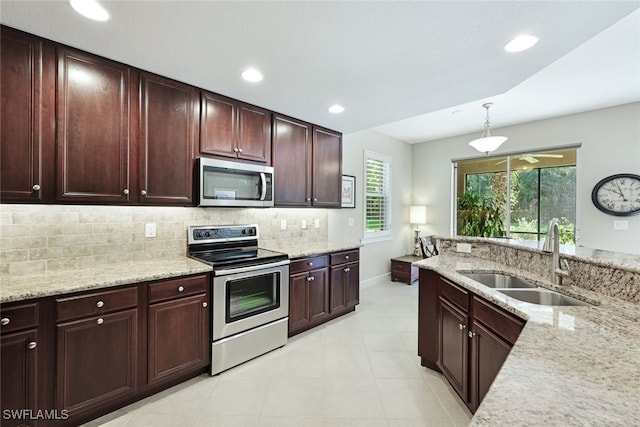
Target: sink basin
501	281
542	297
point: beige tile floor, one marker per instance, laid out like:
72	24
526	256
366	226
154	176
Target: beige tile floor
358	370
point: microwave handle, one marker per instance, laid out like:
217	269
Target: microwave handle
263	186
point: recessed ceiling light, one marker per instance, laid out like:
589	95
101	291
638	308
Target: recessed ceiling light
90	9
520	43
336	109
252	75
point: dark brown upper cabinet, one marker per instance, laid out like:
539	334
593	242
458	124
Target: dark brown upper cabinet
27	73
93	148
230	128
169	118
308	164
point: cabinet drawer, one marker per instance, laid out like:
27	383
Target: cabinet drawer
96	303
499	321
18	317
344	257
400	267
177	288
307	264
454	294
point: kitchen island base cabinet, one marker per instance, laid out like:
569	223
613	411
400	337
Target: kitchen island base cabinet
463	336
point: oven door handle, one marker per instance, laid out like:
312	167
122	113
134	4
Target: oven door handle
228	271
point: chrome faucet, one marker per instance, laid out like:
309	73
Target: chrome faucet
553	233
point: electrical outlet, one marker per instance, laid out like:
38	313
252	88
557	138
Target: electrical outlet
463	247
316	223
283	224
304	224
150	229
350	222
620	224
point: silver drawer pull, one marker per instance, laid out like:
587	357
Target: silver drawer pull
461	326
125	191
32	345
100	304
346	257
472	334
310	264
36	187
180	288
143	192
204	304
100	321
5	321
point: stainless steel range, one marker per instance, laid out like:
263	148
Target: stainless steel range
250	293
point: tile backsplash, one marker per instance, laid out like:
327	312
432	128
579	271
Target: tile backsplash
41	238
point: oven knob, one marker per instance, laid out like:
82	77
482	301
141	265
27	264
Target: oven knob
197	234
244	231
207	234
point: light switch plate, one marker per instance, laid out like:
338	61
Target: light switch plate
463	247
150	229
350	222
316	223
283	224
304	224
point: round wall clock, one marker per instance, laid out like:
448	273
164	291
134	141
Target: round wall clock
618	195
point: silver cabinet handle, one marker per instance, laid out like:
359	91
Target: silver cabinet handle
125	192
100	321
204	304
315	199
346	257
346	270
143	192
310	264
36	187
235	150
5	321
239	150
472	334
461	326
308	199
180	288
100	304
32	345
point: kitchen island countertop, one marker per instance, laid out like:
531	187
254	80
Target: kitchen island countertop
570	365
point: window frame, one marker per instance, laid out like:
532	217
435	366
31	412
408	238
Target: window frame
385	234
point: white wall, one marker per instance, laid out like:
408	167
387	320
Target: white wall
375	257
610	140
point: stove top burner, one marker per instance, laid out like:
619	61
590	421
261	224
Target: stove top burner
223	246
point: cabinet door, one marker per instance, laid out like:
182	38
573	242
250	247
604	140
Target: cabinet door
298	302
178	337
168	134
96	360
318	294
19	376
291	162
93	128
254	133
352	285
26	135
338	288
428	319
327	168
454	346
219	124
488	353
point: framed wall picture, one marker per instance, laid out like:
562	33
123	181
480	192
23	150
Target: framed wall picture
348	191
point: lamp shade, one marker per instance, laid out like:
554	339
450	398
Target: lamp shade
418	214
488	144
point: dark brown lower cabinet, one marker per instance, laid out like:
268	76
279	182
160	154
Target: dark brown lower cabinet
178	337
18	363
464	336
96	360
308	299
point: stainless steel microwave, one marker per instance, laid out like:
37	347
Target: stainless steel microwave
234	184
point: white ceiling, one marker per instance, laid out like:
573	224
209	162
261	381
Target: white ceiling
397	66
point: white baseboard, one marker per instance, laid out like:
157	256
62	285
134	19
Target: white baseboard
375	280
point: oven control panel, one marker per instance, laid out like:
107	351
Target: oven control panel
222	233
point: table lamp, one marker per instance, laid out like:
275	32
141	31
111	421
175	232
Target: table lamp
417	216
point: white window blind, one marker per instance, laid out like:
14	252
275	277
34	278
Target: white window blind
377	168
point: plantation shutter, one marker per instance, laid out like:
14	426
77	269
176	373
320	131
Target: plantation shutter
377	194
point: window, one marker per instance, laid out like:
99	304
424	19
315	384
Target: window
516	196
377	172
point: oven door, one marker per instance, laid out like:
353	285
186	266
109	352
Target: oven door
247	297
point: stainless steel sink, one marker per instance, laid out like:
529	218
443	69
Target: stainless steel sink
501	281
541	297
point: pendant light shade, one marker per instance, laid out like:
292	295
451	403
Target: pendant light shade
487	143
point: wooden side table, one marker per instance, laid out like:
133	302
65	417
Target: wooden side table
401	269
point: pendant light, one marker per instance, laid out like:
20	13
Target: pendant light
487	143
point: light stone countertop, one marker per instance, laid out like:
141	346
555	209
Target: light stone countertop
298	249
23	287
571	365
